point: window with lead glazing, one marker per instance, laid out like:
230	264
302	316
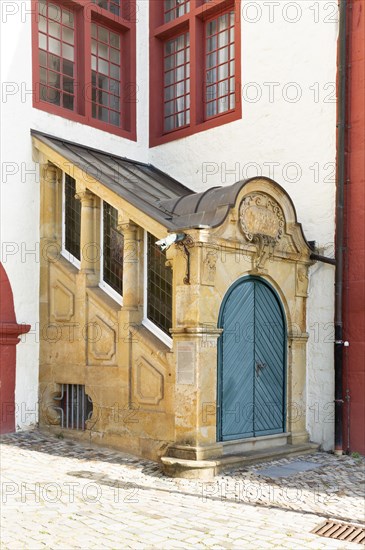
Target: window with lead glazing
175	8
84	62
105	67
113	245
219	65
159	287
177	82
196	46
57	56
114	6
72	218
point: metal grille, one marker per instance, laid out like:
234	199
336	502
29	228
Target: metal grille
341	531
112	249
72	218
159	286
75	406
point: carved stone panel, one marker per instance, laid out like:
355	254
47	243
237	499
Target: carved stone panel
262	223
61	302
301	280
209	268
149	383
186	359
101	336
261	215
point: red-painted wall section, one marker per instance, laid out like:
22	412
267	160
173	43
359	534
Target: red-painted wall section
354	273
9	333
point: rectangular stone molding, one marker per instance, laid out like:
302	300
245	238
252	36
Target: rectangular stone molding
185	363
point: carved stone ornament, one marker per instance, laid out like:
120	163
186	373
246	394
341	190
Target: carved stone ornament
301	281
262	222
209	268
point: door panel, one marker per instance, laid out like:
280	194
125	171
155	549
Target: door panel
238	356
252	369
269	363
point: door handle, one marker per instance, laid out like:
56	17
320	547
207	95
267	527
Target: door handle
259	366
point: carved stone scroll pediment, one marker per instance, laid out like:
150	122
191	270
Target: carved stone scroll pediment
262	223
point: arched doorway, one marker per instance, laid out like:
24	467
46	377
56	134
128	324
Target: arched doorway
251	362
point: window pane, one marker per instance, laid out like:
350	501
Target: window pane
219	64
54	29
159	286
113	245
68	35
175	8
111	5
54	12
72	218
106	75
176	88
56	54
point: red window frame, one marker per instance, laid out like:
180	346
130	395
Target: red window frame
194	22
87	12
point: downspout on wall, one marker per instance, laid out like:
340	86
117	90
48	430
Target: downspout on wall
340	191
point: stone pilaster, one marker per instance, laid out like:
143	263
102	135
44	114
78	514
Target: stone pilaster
296	409
50	241
130	265
195	351
130	314
88	246
195	392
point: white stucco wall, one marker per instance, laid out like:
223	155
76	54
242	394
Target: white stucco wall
287	51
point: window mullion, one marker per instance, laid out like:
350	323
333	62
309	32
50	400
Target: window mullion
85	58
199	71
194	62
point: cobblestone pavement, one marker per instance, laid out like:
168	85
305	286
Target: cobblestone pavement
58	493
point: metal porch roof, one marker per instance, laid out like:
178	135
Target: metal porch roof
149	189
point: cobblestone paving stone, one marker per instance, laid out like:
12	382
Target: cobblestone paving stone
62	494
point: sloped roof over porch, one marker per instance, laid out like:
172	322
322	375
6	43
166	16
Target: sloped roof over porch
152	191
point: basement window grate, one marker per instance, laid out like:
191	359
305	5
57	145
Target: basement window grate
341	531
75	406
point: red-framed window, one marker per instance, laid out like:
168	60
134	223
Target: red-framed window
84	62
176	107
195	63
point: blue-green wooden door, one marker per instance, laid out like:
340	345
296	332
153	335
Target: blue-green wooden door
251	370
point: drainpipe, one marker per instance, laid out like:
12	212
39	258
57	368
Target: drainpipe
323	259
341	127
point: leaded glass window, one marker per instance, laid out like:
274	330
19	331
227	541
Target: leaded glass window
112	249
105	66
56	38
159	286
177	82
72	218
220	64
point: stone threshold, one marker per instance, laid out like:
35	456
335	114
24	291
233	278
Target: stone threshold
207	469
248	444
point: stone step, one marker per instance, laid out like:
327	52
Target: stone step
207	469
